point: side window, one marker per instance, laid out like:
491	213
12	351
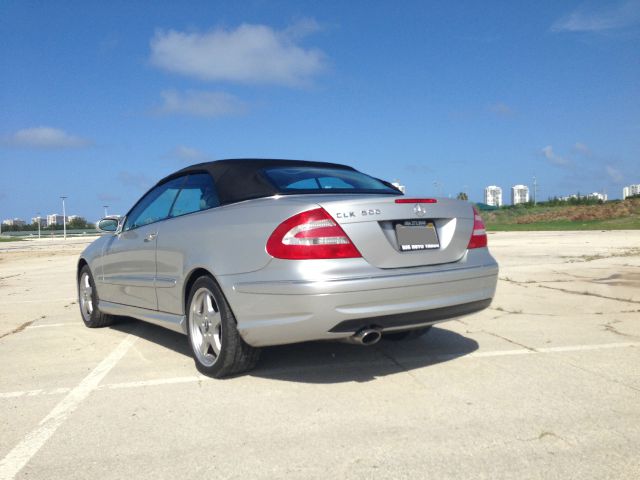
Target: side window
319	182
155	205
306	184
198	193
332	182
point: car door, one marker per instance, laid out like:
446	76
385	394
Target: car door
177	243
129	258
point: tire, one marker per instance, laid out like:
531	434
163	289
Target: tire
218	350
407	334
88	301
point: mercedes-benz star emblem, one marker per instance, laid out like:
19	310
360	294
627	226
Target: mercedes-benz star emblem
419	210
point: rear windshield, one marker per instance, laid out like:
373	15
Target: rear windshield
302	179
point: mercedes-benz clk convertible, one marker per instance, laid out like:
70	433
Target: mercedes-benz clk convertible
242	254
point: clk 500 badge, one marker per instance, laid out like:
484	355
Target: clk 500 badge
371	211
363	213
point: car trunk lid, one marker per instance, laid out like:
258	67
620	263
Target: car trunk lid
400	232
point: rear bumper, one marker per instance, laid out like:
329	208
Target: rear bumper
411	319
273	311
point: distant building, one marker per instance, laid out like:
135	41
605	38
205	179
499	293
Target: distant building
55	219
590	196
396	184
630	190
597	196
569	197
519	194
71	218
41	220
493	196
14	222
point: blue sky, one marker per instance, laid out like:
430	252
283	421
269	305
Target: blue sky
101	99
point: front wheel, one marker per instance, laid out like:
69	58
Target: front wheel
218	350
88	301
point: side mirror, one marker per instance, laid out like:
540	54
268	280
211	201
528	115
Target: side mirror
109	224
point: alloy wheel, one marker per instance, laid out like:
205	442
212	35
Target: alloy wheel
86	297
205	327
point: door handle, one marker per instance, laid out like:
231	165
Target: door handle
151	237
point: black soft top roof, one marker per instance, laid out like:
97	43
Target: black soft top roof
242	178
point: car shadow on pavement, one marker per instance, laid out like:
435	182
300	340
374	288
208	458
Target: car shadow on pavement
329	362
335	362
174	341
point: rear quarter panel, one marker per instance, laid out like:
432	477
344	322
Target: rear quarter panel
226	240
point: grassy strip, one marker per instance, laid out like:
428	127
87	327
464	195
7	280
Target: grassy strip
614	215
624	223
10	239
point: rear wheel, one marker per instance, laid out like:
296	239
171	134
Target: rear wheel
407	334
218	350
88	301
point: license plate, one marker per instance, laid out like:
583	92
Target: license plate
415	235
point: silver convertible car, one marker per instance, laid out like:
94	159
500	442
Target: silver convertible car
241	254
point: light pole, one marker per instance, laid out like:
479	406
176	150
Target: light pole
64	218
38	224
105	211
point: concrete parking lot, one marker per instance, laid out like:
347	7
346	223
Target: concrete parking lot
544	384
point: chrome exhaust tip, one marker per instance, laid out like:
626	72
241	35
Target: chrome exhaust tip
369	336
365	336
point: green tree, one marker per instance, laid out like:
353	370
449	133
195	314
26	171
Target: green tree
77	224
462	196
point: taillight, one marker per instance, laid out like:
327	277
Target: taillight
479	234
310	235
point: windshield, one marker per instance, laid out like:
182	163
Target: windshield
302	179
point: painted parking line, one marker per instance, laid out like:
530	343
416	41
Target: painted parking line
20	455
34	393
109	386
567	348
155	382
44	300
443	356
53	325
503	353
576	348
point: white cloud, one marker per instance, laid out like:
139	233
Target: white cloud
189	154
302	28
248	54
586	19
501	109
201	103
553	157
582	148
139	181
107	197
614	174
46	138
